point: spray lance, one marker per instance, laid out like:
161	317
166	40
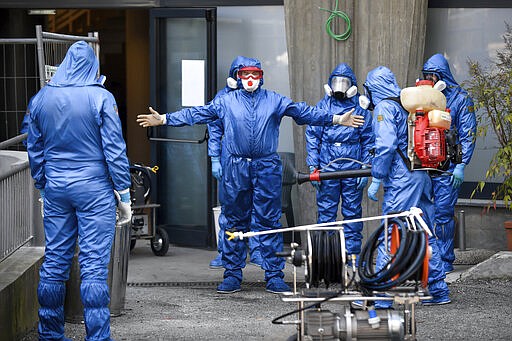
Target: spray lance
318	175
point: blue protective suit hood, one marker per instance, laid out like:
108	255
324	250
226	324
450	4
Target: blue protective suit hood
79	67
235	65
343	70
439	65
240	62
381	82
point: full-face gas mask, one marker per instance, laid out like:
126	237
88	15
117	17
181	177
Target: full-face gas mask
341	88
250	77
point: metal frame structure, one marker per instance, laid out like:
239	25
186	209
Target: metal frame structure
317	323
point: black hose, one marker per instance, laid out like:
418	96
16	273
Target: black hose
404	264
389	269
327	263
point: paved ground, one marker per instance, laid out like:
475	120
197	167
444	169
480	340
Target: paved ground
174	298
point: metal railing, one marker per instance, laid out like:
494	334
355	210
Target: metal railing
16	213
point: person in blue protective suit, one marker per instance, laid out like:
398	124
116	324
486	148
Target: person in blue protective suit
336	148
251	167
215	133
403	188
446	189
78	161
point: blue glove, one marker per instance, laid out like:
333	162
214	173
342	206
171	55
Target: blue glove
216	168
458	175
373	189
124	196
361	183
315	184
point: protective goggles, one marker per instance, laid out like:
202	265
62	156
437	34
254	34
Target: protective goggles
340	84
250	72
431	76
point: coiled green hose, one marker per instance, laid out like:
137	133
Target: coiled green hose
328	24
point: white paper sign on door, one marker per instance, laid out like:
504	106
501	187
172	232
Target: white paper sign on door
192	83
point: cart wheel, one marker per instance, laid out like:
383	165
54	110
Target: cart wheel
132	244
160	243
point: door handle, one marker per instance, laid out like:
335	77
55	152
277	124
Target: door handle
166	139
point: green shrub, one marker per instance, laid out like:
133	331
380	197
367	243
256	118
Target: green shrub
491	90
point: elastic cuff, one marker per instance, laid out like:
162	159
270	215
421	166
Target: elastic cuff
164	119
377	181
125	195
215	158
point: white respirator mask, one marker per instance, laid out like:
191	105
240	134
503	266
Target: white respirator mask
250	85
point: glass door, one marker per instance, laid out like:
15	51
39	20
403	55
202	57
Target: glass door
183	73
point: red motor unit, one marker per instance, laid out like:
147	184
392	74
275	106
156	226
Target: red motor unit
429	142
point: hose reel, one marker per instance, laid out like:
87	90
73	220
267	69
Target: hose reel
326	255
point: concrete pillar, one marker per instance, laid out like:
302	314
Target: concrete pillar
390	33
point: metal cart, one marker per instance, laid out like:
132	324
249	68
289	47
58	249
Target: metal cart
144	215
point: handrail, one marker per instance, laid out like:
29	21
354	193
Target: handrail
12	141
50	35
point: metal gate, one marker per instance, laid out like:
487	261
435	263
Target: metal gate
26	65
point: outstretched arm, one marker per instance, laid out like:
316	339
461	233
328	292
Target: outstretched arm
186	116
304	114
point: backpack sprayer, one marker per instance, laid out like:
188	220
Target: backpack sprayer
431	143
331	277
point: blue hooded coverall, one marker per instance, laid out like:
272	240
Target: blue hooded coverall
78	157
403	189
252	169
464	121
326	144
215	133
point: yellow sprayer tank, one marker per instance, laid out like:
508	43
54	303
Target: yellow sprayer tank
422	96
439	119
